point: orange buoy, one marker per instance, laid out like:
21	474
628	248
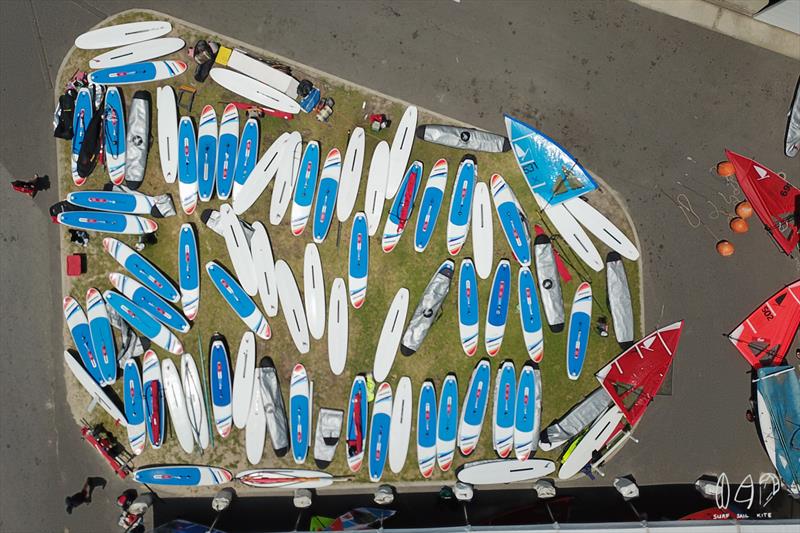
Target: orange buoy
724	248
744	209
725	169
739	225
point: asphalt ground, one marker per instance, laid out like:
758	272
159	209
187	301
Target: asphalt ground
646	101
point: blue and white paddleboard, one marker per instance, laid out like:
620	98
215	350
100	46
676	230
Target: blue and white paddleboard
468	312
78	326
134	405
300	413
248	152
227	146
379	431
402	207
426	429
497	309
240	302
107	222
529	316
430	205
112	201
447	426
326	195
137	73
461	205
505	403
219	371
358	263
512	220
153	392
187	165
528	412
306	187
474	408
182	475
356	429
206	153
144	323
142	269
114	135
102	336
580	322
189	271
84	109
152	304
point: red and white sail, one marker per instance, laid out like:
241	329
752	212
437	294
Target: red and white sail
775	200
765	336
633	378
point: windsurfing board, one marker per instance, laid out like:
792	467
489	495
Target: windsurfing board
168	132
173	392
238	250
246	193
254	90
503	471
391	332
377	179
401	150
137	52
94	389
195	400
264	265
351	175
122	34
244	372
591	442
400	430
337	327
285	178
314	291
292	305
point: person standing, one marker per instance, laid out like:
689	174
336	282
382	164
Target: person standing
30	187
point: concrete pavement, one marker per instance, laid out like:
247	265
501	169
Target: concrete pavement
645	100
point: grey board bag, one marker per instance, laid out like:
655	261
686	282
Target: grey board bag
549	284
619	299
138	139
326	438
428	309
277	424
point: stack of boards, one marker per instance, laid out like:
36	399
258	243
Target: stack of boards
221	158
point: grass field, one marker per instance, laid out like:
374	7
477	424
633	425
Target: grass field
441	353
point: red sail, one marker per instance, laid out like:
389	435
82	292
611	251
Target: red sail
633	378
775	200
764	337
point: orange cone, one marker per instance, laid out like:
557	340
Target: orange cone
724	248
744	209
725	169
739	225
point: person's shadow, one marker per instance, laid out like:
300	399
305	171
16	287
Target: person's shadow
42	183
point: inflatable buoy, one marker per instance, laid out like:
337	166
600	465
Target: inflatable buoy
724	248
739	225
744	209
725	169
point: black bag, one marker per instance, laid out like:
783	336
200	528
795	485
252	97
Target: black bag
303	88
202	71
64	116
87	158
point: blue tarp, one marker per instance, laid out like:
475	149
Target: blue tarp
779	416
551	172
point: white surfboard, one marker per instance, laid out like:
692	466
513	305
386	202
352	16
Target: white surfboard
350	179
95	391
376	186
254	90
243	379
195	400
572	233
401	150
244	196
167	132
255	433
286	178
337	327
602	228
482	231
292	306
390	335
257	69
314	291
595	438
238	250
137	52
264	264
122	34
400	430
173	392
502	471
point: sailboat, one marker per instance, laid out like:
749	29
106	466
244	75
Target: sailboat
633	378
778	403
775	200
764	337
